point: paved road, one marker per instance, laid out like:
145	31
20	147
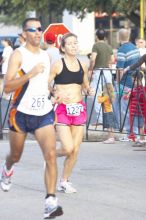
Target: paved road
110	179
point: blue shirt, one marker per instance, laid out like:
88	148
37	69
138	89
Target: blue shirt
127	55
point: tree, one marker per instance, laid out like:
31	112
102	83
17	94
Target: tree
50	10
14	11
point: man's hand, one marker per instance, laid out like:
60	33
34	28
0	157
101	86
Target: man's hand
38	68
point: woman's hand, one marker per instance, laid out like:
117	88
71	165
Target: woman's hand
90	91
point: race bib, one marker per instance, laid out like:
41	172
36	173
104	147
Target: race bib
74	109
37	103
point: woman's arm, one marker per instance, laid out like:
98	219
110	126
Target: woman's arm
85	85
55	70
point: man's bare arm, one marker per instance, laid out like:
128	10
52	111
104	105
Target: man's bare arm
11	82
92	61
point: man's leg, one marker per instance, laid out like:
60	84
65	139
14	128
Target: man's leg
47	141
16	149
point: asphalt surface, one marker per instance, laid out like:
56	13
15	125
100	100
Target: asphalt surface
110	179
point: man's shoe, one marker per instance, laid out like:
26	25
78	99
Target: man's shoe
52	209
66	187
5	179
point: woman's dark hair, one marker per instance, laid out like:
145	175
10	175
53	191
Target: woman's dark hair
63	40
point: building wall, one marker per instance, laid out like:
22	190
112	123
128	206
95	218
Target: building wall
85	30
7	30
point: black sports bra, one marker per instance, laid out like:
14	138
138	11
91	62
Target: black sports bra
68	77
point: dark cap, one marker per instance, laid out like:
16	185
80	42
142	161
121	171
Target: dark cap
50	38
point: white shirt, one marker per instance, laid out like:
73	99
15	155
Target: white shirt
6	55
33	98
54	54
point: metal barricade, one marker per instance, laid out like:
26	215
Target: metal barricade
122	118
4	109
95	115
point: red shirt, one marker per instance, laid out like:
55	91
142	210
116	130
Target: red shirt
137	101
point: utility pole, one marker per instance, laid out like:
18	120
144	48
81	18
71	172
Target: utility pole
142	18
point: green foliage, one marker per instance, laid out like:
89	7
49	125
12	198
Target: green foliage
14	11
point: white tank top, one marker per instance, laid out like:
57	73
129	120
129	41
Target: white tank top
33	97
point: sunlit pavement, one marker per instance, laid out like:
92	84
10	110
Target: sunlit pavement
110	180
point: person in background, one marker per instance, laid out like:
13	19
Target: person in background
127	54
31	111
141	45
7	51
137	65
137	107
52	50
71	78
109	121
101	57
22	39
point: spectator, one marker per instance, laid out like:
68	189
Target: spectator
101	57
142	49
109	121
127	54
140	43
22	39
136	65
53	51
8	49
137	107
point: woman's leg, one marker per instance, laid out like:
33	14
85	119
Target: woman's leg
66	140
70	140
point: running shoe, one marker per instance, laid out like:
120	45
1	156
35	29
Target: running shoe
66	187
5	179
52	209
125	139
109	141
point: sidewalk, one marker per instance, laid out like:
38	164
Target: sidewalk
110	179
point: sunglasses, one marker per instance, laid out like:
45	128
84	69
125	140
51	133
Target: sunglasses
33	29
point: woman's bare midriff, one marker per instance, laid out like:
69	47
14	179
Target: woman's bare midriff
70	93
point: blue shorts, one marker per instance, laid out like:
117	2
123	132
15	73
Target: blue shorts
138	121
21	122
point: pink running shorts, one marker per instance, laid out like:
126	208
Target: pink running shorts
72	114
